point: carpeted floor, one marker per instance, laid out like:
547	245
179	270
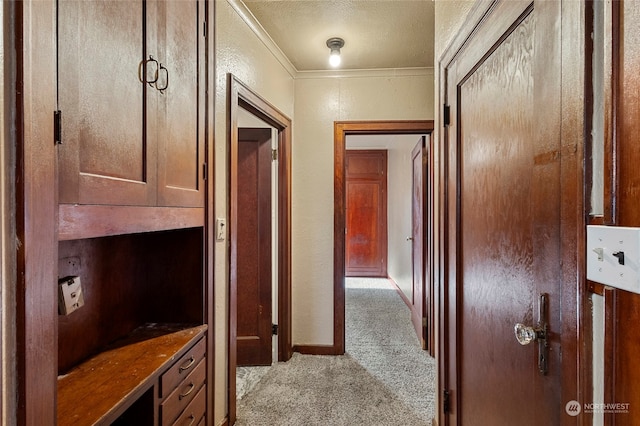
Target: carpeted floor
384	379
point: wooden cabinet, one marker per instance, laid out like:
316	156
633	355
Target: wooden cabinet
131	90
131	223
130	218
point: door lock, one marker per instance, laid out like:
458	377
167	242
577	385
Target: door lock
526	334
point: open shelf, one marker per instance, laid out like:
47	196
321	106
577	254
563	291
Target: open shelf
101	388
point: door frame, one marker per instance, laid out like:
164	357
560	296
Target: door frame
564	118
241	96
341	130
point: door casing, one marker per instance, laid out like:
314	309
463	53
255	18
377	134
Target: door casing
241	96
341	130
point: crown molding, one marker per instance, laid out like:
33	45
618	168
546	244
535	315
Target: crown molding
380	72
255	26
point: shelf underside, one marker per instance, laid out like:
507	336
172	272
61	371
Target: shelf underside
92	221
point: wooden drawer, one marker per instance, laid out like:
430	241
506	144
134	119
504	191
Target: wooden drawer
178	371
195	411
183	394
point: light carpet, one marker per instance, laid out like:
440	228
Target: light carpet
385	378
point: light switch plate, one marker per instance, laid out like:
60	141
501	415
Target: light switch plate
221	229
613	256
70	296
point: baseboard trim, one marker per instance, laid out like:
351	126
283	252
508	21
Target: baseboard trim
224	422
316	349
401	293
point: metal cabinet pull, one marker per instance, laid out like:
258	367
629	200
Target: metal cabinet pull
166	83
142	71
187	365
193	419
187	393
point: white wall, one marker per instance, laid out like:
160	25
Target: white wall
241	52
321	99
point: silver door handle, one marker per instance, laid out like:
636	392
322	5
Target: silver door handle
409	238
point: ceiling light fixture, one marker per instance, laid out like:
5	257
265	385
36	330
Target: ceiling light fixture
335	43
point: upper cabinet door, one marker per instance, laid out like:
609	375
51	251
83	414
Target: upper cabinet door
180	123
105	156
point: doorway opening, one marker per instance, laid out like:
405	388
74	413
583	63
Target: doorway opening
343	130
260	163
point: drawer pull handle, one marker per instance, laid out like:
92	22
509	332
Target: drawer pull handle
193	419
187	365
191	388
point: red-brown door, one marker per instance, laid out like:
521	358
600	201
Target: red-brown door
503	220
366	200
418	164
254	247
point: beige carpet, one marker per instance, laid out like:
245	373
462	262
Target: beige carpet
384	379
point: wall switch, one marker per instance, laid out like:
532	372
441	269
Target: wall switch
70	296
221	229
613	256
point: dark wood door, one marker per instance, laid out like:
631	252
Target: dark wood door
366	208
106	156
418	240
254	247
180	125
503	208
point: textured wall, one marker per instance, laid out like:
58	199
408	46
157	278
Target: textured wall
319	101
238	51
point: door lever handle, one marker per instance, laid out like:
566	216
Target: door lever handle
409	238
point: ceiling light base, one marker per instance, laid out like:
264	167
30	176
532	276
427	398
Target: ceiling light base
335	43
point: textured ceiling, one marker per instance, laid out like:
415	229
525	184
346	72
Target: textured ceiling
377	34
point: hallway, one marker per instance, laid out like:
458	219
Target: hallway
384	379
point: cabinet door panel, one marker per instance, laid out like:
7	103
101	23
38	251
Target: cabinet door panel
181	107
105	157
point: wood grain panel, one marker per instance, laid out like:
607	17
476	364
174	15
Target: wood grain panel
36	198
366	213
496	238
180	130
254	247
418	226
106	157
154	277
504	223
625	342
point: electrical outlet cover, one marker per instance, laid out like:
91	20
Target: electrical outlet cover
70	296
